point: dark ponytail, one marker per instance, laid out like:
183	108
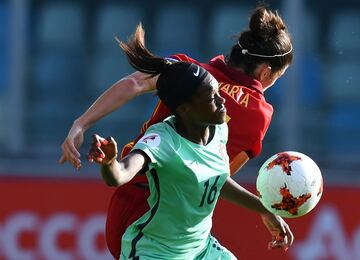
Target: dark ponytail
141	58
177	82
266	41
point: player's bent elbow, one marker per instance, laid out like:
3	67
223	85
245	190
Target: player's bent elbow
110	181
139	83
116	181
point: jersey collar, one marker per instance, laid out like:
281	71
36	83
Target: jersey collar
235	74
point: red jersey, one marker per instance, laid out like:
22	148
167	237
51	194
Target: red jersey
248	113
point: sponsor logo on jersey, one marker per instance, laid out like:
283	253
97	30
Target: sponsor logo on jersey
151	140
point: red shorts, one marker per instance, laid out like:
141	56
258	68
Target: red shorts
128	203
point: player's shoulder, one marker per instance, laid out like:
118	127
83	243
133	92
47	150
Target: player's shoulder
160	131
159	128
261	106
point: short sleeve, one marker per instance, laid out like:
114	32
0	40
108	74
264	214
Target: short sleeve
155	143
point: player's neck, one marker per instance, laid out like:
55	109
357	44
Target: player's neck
196	133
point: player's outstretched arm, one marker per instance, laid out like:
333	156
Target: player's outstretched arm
113	98
115	173
282	236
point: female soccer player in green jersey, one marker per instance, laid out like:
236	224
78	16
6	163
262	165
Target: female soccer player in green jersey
186	164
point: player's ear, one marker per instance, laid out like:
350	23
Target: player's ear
182	109
263	72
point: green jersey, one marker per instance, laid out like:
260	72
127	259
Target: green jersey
185	179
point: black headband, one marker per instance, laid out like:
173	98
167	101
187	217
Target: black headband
180	82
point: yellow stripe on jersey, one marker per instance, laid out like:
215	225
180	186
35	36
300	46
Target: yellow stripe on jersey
227	118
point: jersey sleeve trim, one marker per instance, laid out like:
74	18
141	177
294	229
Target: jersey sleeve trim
147	151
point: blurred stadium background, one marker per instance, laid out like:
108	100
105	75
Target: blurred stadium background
58	56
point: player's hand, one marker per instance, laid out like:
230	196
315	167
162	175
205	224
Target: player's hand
71	145
102	151
282	237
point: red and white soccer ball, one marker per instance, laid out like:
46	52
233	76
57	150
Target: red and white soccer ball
289	184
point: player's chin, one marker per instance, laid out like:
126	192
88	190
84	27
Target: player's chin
221	118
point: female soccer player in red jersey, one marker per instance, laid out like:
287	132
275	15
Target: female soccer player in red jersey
260	56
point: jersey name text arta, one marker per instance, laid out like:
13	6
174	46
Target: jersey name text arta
236	93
